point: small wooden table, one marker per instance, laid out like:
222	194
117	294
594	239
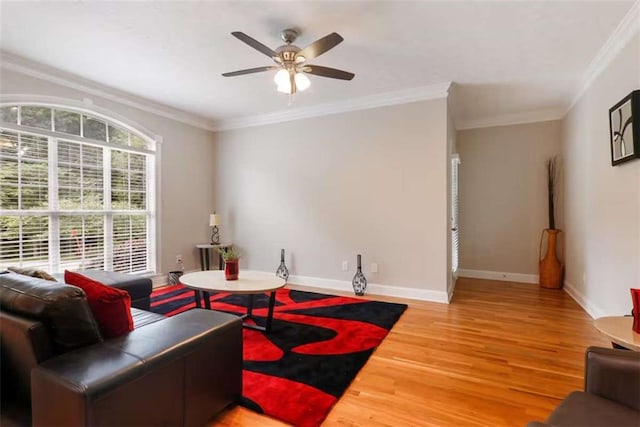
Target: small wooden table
249	282
618	329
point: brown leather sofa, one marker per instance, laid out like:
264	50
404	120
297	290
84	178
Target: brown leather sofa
611	395
58	371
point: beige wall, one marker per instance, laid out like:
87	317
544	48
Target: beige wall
503	195
602	204
371	182
186	173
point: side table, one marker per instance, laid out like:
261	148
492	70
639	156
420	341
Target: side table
205	262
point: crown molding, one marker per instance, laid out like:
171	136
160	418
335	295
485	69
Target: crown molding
40	71
626	29
618	39
26	67
512	119
384	99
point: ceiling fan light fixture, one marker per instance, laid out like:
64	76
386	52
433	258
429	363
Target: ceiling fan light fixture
302	81
282	78
291	61
285	88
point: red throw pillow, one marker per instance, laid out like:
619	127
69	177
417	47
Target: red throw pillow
111	306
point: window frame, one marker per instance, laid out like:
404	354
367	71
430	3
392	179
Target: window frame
53	212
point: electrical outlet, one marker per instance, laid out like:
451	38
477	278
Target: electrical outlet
345	265
374	267
179	258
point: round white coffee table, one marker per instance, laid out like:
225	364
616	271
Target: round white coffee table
620	331
249	282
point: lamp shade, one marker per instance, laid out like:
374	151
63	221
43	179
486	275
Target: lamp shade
214	219
302	82
282	78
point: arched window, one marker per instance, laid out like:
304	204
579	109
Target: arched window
77	191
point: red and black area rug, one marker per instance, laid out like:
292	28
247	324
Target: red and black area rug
316	346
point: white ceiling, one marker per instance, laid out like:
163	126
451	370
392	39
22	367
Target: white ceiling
505	57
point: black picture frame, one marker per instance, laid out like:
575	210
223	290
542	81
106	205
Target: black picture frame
624	129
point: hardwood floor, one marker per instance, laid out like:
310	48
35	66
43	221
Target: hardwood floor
501	354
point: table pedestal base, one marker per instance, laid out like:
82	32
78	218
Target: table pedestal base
248	314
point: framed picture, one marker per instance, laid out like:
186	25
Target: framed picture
624	123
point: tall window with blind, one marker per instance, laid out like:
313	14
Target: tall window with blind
455	162
76	192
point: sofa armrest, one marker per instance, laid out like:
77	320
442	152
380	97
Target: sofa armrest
151	376
614	374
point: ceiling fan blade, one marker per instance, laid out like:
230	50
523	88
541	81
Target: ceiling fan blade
320	46
254	44
250	71
333	73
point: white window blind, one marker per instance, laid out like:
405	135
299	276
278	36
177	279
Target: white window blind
74	192
24	190
82	242
80	176
455	162
25	237
129	242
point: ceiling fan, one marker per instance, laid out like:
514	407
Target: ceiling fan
291	61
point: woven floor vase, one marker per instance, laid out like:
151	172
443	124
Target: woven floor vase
550	268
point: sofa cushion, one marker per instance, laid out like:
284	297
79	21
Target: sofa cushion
138	287
111	307
40	274
62	308
587	410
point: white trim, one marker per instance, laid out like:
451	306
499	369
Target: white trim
39	71
454	279
73	138
161	280
317	283
512	119
498	275
82	107
157	211
158	281
618	39
627	27
54	212
591	309
403	96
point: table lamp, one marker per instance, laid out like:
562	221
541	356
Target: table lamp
214	221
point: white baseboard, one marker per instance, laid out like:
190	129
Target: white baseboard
591	309
160	280
317	283
499	275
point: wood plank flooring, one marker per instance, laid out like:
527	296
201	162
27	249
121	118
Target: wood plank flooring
501	354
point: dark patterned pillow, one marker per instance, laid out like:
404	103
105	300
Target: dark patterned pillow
40	274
